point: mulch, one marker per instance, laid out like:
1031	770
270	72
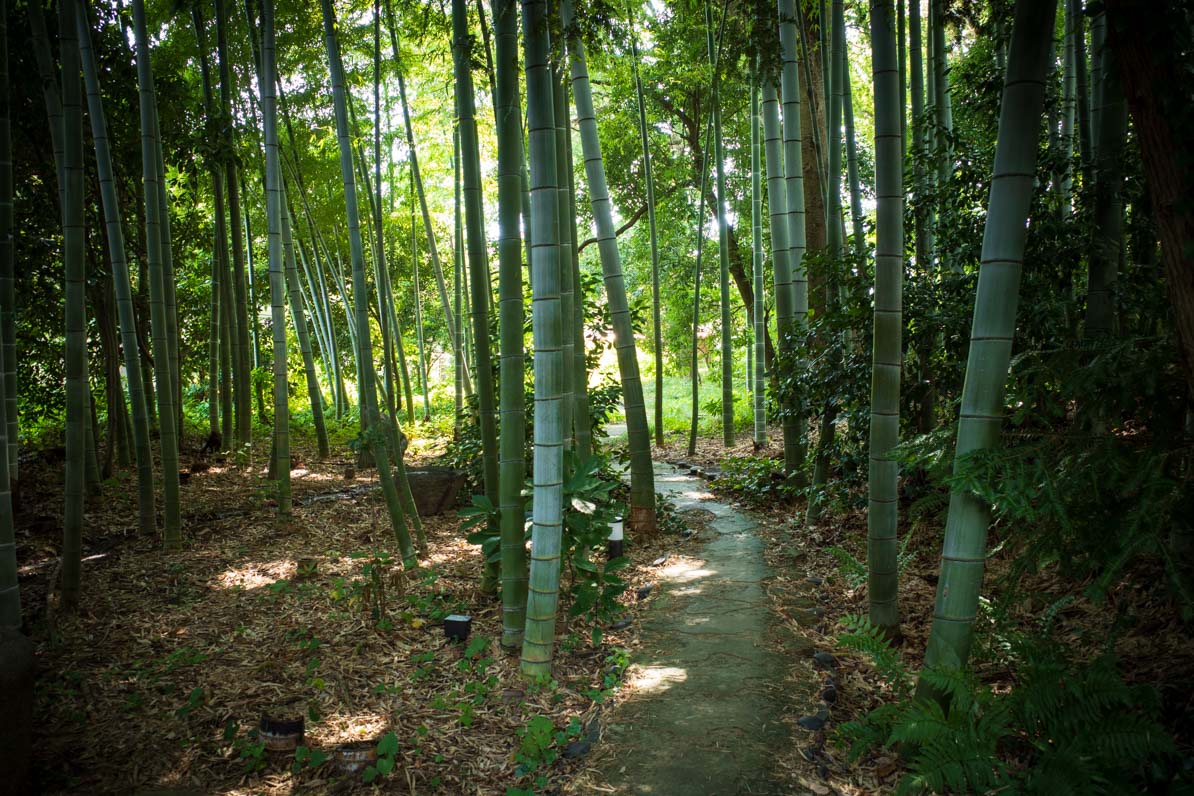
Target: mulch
157	680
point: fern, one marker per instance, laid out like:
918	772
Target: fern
863	637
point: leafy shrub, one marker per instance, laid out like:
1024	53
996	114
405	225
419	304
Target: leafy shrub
756	480
1065	727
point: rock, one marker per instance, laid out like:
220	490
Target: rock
815	580
435	489
712	473
823	660
829	695
577	749
687	533
815	722
660	561
622	624
643	591
681	465
809	753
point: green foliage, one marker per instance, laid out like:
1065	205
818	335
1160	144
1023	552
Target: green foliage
757	480
1066	726
855	571
387	750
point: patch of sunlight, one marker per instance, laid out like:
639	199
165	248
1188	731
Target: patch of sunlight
654	679
311	475
450	551
686	573
256	574
697	494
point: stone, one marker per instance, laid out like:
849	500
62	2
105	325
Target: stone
643	591
829	695
622	624
814	722
823	660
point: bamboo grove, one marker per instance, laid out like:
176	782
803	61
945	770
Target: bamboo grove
281	213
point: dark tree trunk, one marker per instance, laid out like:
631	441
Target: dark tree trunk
1148	40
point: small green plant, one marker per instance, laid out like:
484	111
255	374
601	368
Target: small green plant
195	700
307	759
387	750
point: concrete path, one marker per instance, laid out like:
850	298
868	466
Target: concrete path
704	718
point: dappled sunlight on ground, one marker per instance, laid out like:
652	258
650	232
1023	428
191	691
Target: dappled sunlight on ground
655	679
255	574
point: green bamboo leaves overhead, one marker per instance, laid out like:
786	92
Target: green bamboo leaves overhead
642	477
888	355
994	325
547	329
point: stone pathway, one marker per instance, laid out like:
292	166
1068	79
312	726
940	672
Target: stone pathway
705	719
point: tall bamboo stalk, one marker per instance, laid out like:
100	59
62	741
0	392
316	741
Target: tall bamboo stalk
790	279
163	375
10	593
649	177
965	546
368	394
642	474
888	355
547	327
511	316
758	357
120	281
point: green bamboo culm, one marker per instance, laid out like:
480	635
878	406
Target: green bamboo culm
478	258
759	358
147	515
78	394
649	177
10	594
8	312
511	318
277	274
699	225
1110	112
791	281
887	359
455	334
567	231
965	546
294	291
583	428
372	430
159	326
547	328
782	252
642	474
244	330
723	241
833	236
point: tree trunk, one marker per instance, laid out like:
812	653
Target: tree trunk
1147	44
